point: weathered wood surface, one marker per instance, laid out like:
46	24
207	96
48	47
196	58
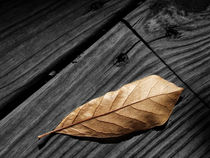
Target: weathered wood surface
115	59
180	38
35	36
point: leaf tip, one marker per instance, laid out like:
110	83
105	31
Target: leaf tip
181	89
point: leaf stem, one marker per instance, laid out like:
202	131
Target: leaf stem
45	134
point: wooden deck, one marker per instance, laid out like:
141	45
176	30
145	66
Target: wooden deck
57	55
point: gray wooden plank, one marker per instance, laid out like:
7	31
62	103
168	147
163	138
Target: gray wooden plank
100	69
181	38
48	37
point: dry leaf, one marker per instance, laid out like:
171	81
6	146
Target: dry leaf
139	105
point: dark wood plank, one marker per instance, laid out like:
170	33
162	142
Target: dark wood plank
15	12
8	4
180	38
115	59
60	31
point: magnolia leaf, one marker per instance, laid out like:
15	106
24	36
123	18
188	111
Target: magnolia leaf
139	105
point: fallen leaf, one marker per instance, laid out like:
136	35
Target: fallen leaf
139	105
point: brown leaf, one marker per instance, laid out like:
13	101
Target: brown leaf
139	105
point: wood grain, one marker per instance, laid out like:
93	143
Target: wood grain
34	43
100	69
180	38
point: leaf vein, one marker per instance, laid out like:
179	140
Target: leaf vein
114	100
130	93
95	130
131	118
76	116
145	111
160	104
115	124
152	88
98	106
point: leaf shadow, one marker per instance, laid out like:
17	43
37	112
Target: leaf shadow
115	140
42	142
179	100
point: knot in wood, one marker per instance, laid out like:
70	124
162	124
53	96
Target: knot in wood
121	60
171	32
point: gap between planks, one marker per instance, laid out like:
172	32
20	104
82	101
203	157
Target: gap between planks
50	72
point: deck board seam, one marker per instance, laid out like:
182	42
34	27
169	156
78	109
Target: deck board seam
162	60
